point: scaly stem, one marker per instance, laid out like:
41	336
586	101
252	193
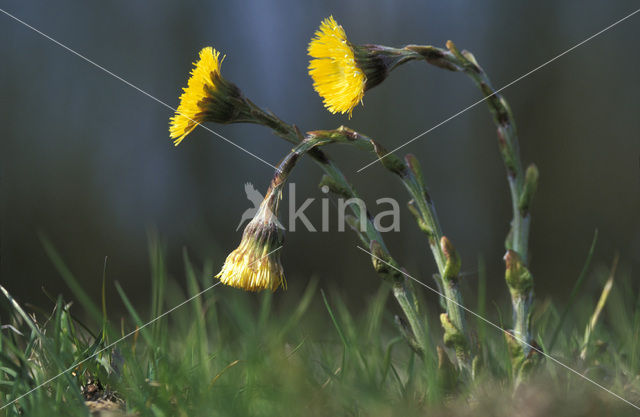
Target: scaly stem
402	288
446	258
522	183
449	280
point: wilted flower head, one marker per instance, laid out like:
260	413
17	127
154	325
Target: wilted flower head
342	71
207	98
255	264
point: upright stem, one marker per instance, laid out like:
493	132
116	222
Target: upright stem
522	184
448	278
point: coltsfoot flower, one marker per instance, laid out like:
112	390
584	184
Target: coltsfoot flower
208	97
336	75
255	264
342	71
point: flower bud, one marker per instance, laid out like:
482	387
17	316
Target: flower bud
518	277
452	266
413	208
529	189
453	337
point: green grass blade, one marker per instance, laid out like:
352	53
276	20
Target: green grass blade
104	301
158	284
482	299
344	340
301	308
134	314
574	291
193	288
87	303
596	314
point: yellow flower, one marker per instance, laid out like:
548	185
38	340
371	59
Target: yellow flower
207	97
255	264
336	75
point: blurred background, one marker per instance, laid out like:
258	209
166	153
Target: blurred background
87	162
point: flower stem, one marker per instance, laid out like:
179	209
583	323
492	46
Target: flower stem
402	288
522	184
444	253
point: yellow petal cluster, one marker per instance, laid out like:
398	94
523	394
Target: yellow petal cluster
199	86
252	269
255	264
336	76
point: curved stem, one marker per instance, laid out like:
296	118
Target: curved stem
402	288
409	173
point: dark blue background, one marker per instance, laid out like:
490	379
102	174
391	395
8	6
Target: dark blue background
87	160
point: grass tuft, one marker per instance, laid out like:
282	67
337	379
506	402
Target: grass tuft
230	353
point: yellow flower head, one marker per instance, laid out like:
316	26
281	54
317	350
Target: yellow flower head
207	97
342	71
336	75
255	264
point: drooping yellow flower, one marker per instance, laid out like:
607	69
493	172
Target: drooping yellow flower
336	75
255	264
207	97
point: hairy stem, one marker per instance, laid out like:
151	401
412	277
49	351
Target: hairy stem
402	288
444	253
522	184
